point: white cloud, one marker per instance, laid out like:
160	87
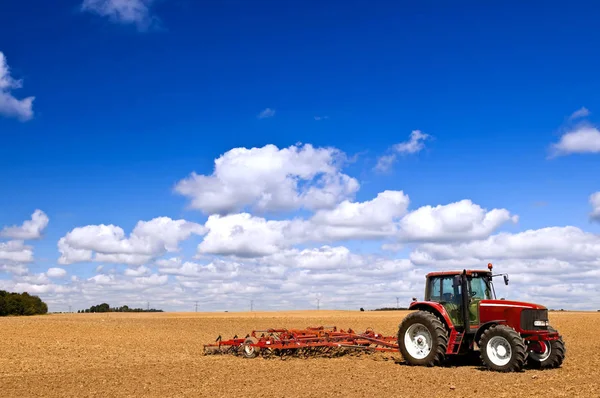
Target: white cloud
319	118
14	268
56	273
152	280
595	202
30	229
139	271
452	222
385	162
579	113
244	235
352	220
270	179
9	105
266	113
148	239
16	251
286	263
583	139
122	11
415	144
384	217
568	244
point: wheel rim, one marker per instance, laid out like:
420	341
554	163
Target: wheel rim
499	350
417	341
248	349
541	357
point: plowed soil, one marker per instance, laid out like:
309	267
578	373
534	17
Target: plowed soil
161	355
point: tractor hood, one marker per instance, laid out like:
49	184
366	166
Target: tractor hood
510	303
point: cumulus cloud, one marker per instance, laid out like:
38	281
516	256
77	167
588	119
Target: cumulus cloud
16	251
245	235
583	139
384	217
569	244
108	243
353	220
139	271
290	262
10	106
135	12
30	229
463	220
14	268
270	179
266	113
415	144
56	272
595	202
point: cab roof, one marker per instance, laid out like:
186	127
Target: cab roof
469	272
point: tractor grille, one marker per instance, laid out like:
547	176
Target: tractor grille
529	316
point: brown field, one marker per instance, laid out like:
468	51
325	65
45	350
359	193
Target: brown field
160	355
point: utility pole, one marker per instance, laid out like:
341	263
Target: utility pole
148	306
69	308
318	303
397	302
251	305
196	306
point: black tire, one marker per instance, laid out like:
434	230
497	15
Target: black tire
511	339
558	350
249	351
437	331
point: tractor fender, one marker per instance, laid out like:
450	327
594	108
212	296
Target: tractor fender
483	327
436	308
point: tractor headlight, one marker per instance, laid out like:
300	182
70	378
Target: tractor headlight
540	323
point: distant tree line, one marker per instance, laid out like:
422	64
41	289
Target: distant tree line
21	304
391	309
104	307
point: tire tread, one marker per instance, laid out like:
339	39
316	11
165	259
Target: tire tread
439	336
517	344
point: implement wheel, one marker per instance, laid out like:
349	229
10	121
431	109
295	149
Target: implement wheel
502	349
247	350
422	339
553	355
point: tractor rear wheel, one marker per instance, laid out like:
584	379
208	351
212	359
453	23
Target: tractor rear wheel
553	355
422	339
502	349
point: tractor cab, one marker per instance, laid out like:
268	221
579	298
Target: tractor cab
447	289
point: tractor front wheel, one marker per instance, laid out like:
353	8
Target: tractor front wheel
502	349
553	355
422	339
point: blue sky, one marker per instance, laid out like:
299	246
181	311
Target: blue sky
123	112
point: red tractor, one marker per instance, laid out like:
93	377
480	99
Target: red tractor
460	314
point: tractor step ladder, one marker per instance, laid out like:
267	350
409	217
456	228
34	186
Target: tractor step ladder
454	342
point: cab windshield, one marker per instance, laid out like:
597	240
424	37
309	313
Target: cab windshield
481	288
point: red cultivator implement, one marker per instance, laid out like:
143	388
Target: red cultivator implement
312	341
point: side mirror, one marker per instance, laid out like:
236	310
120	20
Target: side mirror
505	279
